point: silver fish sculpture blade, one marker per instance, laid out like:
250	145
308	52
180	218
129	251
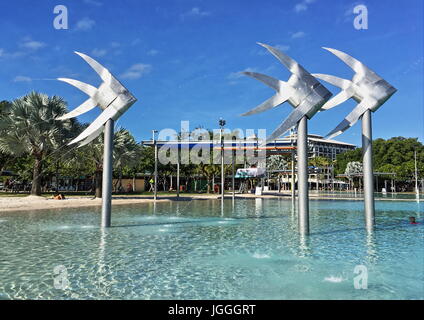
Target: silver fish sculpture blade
366	87
111	96
305	93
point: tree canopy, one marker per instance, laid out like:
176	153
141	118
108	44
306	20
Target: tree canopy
395	155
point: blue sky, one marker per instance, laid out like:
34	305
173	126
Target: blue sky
182	58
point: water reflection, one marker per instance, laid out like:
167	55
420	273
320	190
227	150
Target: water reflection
371	246
258	206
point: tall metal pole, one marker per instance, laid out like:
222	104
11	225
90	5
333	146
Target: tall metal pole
222	166
368	170
293	181
107	174
417	191
155	191
178	173
222	124
302	175
233	179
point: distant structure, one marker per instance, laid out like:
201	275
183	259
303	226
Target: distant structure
319	146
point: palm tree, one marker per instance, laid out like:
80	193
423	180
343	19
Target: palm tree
4	158
279	164
125	152
30	127
320	163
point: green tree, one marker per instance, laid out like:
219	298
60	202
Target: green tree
4	157
30	127
395	155
125	153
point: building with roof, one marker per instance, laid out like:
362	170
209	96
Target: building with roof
319	146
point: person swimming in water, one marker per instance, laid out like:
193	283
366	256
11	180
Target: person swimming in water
412	220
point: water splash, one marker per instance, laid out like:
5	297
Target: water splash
334	279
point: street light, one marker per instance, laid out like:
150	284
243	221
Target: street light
155	192
222	123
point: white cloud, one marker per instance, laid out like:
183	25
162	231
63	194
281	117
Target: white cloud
303	6
135	41
115	44
136	71
195	12
27	43
99	52
85	24
94	2
300	7
5	54
299	34
347	16
22	79
152	52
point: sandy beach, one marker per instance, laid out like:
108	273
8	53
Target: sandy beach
31	203
9	204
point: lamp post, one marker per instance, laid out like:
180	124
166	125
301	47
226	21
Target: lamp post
293	180
417	191
155	191
222	123
233	159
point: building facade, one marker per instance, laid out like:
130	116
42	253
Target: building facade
320	147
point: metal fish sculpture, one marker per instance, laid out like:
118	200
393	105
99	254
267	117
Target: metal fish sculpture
112	97
305	93
366	87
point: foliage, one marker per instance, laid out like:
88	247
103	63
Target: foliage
353	168
30	128
277	162
395	155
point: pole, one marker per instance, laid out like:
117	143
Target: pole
178	173
107	174
302	175
155	192
368	171
222	166
233	179
293	179
417	191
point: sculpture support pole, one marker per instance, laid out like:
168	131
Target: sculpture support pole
302	175
293	181
368	170
107	174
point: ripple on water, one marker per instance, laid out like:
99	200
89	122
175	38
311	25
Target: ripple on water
203	255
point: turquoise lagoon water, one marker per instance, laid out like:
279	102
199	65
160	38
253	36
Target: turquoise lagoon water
195	250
